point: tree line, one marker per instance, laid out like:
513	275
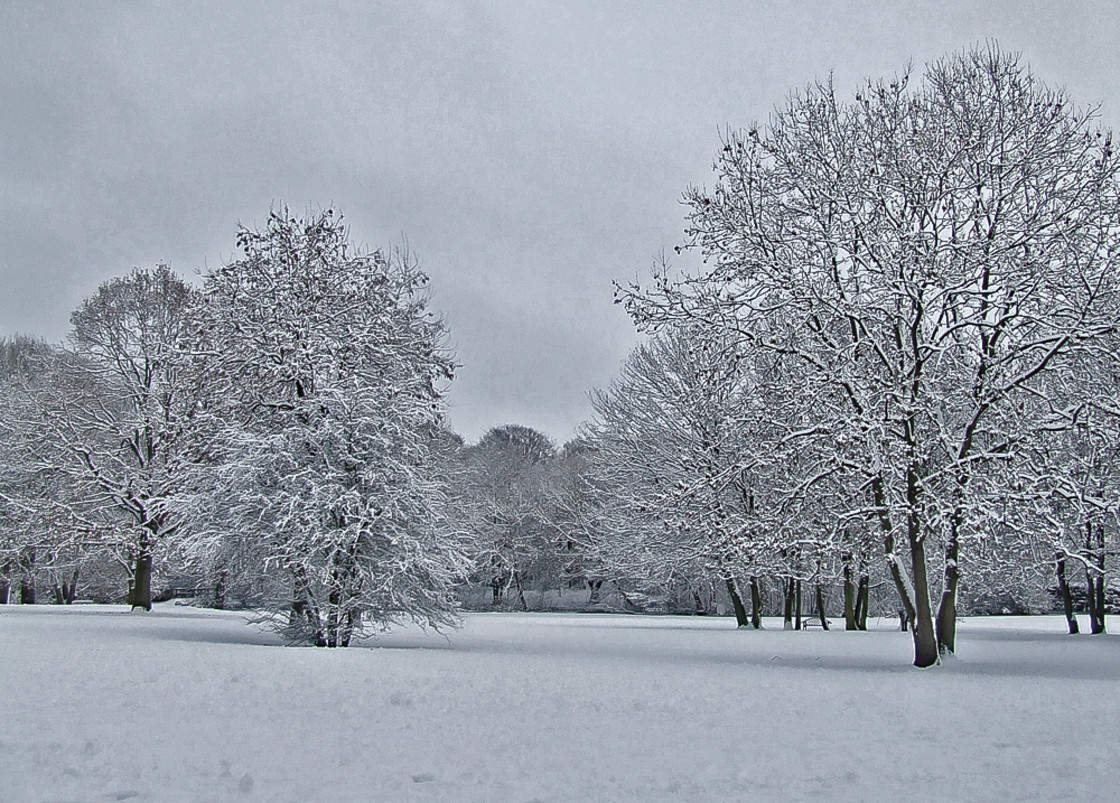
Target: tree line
886	374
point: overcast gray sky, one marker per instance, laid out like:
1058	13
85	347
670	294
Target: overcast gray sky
529	152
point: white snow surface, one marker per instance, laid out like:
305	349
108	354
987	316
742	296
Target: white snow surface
183	704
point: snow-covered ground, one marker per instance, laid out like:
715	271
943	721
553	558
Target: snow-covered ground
182	705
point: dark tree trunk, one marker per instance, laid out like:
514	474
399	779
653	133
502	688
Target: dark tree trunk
741	619
520	591
1094	577
353	621
70	590
862	595
787	606
850	593
1094	599
893	562
304	617
925	640
699	608
756	605
496	591
594	585
220	589
140	595
27	576
797	606
820	607
5	582
947	610
334	617
926	652
1067	597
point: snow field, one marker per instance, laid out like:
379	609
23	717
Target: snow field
192	705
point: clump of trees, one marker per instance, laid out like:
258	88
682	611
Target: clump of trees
277	429
920	275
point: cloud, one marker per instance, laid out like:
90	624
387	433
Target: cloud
529	152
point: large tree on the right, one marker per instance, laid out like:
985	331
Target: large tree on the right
919	262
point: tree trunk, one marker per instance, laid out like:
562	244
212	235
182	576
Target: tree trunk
5	582
820	607
947	610
71	592
862	595
334	617
893	562
1067	597
353	621
1094	577
304	617
594	585
520	591
1093	600
787	607
756	605
220	589
797	606
27	576
699	608
140	595
921	614
925	640
849	593
737	603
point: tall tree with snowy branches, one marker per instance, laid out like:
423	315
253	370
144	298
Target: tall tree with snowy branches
919	260
326	374
103	420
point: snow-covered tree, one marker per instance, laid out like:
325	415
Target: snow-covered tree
504	500
23	493
99	424
326	374
917	261
680	452
1065	481
575	505
125	429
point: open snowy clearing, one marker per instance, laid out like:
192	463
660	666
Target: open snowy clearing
186	704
